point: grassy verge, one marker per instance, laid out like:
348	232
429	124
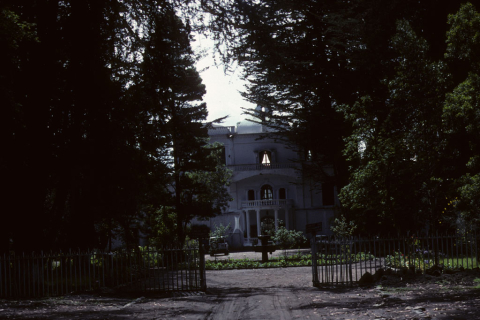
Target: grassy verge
296	260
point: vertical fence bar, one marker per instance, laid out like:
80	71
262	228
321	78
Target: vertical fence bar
155	268
374	253
2	262
384	254
61	272
442	250
171	260
186	266
88	265
456	249
10	268
175	268
56	274
124	258
449	257
30	277
149	268
75	270
3	276
203	282
408	253
313	244
102	284
365	260
172	266
14	273
128	269
432	238
80	270
471	250
181	266
39	279
22	264
349	263
111	278
476	249
166	261
388	241
48	267
342	259
196	260
335	265
359	263
333	261
91	261
429	251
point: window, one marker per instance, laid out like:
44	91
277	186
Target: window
265	158
282	193
251	195
328	194
266	193
223	159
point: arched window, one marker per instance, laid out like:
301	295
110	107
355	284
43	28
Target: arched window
328	194
282	194
266	193
265	158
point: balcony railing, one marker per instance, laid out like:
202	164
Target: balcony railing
267	203
260	166
221	130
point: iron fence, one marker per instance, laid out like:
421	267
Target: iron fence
142	269
345	261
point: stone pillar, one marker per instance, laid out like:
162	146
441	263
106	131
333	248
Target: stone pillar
286	219
247	214
259	226
276	219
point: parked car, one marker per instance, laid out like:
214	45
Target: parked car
218	245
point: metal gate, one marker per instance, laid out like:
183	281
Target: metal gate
345	261
143	269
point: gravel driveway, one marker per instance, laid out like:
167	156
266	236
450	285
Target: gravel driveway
280	293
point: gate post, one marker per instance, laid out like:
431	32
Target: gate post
203	280
314	259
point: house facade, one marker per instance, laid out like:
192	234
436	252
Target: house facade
267	183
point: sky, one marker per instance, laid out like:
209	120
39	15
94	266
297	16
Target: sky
223	97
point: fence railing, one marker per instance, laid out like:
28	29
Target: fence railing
267	203
345	261
143	269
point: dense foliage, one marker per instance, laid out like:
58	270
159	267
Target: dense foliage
380	99
102	124
418	153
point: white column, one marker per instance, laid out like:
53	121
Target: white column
247	214
276	219
286	219
259	227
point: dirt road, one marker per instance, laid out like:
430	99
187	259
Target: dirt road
271	294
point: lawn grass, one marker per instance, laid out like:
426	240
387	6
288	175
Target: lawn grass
466	263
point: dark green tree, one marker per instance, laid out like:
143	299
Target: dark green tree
461	114
197	182
96	111
401	156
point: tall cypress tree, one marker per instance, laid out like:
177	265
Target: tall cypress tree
175	92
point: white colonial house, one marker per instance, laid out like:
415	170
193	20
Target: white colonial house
267	182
